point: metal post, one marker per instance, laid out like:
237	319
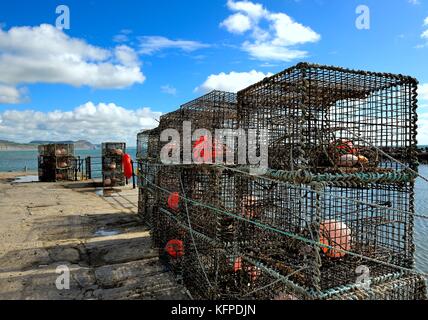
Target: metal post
133	174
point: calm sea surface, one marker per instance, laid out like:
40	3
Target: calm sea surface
18	160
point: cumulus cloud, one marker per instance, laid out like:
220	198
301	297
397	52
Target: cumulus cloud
94	122
153	44
237	23
44	54
231	82
276	42
12	95
168	89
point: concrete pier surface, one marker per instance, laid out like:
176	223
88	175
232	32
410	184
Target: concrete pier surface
97	237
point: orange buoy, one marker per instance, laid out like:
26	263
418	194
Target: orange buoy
174	201
336	235
203	144
237	265
175	248
127	166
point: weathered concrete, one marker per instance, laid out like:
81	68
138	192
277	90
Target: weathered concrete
99	238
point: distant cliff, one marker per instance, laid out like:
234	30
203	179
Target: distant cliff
13	146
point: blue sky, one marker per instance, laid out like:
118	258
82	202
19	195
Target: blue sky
137	59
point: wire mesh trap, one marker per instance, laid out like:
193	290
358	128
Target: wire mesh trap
56	162
325	118
112	165
148	145
147	178
338	194
318	236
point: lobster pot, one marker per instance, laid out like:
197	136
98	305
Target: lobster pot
167	214
53	150
112	165
326	118
147	145
215	271
170	121
215	189
56	162
403	287
147	192
210	113
375	221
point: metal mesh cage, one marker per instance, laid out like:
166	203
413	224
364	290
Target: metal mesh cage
286	225
168	235
147	192
403	287
328	118
63	150
215	110
56	162
112	165
147	144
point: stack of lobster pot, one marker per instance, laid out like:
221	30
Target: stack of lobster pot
330	217
112	164
56	162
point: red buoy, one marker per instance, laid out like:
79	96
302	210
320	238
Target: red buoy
174	201
127	165
175	248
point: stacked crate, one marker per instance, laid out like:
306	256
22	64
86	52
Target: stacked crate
56	162
112	164
329	132
331	212
147	154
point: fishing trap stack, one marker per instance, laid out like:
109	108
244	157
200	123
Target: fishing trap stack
112	164
56	162
333	215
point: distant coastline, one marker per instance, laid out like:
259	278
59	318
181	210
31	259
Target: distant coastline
32	146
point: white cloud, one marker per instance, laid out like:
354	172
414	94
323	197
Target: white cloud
237	23
423	92
123	36
414	2
12	95
169	90
276	42
424	34
231	82
44	54
152	44
94	122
